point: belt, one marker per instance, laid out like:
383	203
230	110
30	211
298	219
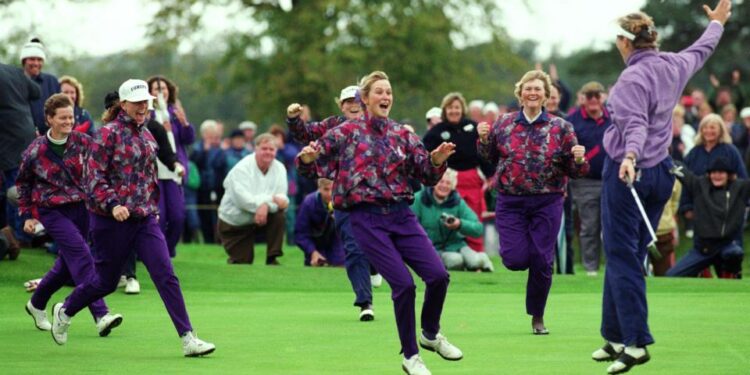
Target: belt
382	208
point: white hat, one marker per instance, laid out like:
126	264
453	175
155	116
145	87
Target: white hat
134	90
244	125
348	92
490	107
478	104
745	112
434	112
33	49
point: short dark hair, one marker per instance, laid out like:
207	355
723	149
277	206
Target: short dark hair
56	102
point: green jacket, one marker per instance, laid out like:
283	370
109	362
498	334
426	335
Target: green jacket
428	212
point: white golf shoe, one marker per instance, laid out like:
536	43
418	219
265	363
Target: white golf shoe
60	324
415	366
442	347
107	323
40	317
376	280
132	286
192	346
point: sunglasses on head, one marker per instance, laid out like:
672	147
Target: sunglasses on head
594	94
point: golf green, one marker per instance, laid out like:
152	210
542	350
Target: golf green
295	320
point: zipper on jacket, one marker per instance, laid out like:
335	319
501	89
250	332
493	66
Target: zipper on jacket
726	213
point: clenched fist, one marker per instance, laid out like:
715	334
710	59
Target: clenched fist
578	153
294	110
483	129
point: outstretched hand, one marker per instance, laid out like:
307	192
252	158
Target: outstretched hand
442	153
721	13
309	153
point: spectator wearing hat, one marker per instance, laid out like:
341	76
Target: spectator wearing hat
237	148
433	117
719	201
475	111
358	268
33	57
315	228
255	201
74	90
248	129
590	121
713	142
458	129
123	191
17	91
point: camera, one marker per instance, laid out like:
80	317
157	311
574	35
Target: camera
447	218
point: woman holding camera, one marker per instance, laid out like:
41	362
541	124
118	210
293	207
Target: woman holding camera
535	153
448	220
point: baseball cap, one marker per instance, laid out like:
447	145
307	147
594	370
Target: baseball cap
490	107
244	125
745	112
349	92
134	90
433	112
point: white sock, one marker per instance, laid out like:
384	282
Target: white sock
618	347
63	317
635	351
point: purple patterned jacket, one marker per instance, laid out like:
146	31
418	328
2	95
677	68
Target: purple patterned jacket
371	162
532	158
305	133
46	180
123	169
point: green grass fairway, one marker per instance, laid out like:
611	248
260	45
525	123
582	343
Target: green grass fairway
295	320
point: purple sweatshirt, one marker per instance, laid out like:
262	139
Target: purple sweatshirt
642	100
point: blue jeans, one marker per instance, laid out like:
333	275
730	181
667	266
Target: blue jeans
357	265
695	261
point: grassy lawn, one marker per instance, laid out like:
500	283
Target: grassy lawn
296	320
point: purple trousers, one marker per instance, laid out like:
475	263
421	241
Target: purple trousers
528	227
171	213
392	238
115	241
68	225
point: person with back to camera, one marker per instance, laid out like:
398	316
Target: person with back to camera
641	104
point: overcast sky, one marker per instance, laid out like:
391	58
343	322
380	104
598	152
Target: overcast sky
100	27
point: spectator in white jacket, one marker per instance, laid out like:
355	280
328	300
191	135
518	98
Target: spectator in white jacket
254	202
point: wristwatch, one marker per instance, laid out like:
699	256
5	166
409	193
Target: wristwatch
632	159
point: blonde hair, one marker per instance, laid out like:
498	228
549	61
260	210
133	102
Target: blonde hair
678	110
209	125
266	137
365	84
642	26
713	118
452	176
530	76
448	100
324	182
76	85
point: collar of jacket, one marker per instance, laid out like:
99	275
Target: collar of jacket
126	120
429	200
521	119
639	55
